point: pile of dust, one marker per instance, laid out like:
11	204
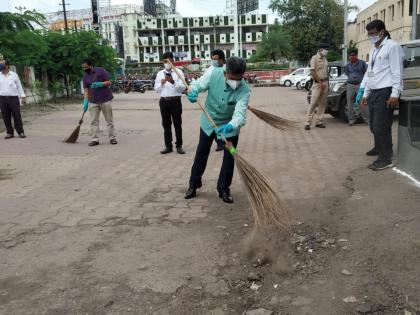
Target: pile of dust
270	247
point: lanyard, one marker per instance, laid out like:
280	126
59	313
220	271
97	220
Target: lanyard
374	57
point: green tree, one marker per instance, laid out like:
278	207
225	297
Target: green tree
20	22
275	43
309	22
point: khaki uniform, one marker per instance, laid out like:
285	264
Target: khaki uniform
319	97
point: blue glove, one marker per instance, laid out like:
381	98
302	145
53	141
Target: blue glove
96	85
85	104
192	96
359	95
225	129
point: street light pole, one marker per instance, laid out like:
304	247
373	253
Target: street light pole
345	31
235	27
414	26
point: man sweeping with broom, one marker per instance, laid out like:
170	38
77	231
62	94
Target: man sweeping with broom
226	103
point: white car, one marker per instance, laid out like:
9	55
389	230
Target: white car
294	77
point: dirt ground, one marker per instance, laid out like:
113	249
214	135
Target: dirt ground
354	248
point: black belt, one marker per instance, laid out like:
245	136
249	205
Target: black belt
354	83
9	96
170	98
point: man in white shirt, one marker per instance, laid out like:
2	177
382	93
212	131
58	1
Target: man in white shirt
382	91
10	92
170	88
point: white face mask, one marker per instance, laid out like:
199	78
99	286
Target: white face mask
324	52
215	63
167	66
233	84
374	39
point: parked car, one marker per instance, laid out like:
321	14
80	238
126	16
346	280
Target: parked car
305	83
294	77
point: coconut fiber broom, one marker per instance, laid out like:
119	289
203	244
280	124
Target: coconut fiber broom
75	134
267	207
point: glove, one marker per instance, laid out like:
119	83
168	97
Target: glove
96	85
192	96
225	129
359	95
85	104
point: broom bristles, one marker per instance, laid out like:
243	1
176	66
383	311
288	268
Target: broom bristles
74	135
267	207
273	120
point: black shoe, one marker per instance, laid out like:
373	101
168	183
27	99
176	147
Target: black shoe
113	141
219	147
93	143
320	125
166	151
372	152
307	127
191	193
22	135
180	150
9	136
380	165
226	196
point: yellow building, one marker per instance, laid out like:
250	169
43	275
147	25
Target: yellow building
71	24
397	16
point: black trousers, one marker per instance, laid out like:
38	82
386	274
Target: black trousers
200	162
10	107
171	112
380	121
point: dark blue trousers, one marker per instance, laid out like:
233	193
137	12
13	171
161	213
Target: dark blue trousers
380	121
200	162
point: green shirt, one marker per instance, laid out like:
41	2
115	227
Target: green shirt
223	104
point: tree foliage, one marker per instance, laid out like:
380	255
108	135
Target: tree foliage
310	22
59	55
275	43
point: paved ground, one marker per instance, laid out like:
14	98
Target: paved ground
106	230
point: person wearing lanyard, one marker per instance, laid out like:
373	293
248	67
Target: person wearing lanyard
226	103
170	88
319	72
382	91
96	90
355	71
10	92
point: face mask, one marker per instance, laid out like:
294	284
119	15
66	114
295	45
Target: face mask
374	39
88	70
324	52
167	66
233	84
1	66
215	63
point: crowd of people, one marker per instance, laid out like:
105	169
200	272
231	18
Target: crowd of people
376	87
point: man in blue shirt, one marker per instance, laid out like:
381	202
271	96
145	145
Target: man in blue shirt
227	103
355	71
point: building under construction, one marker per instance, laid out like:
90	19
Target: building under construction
160	8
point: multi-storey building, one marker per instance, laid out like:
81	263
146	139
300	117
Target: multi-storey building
397	15
147	38
110	18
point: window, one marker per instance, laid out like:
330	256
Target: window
391	12
364	26
375	16
402	8
383	12
368	20
358	28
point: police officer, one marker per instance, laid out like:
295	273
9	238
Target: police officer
227	103
319	72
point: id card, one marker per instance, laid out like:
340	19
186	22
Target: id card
371	74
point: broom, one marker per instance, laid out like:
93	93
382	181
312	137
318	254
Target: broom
267	208
75	134
273	120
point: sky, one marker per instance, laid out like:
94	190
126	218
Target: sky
184	7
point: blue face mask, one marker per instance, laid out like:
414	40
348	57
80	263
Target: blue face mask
1	66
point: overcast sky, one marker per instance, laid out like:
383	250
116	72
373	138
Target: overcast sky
184	7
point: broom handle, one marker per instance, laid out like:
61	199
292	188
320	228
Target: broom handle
198	102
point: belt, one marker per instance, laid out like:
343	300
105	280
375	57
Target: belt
354	83
169	98
323	80
9	96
